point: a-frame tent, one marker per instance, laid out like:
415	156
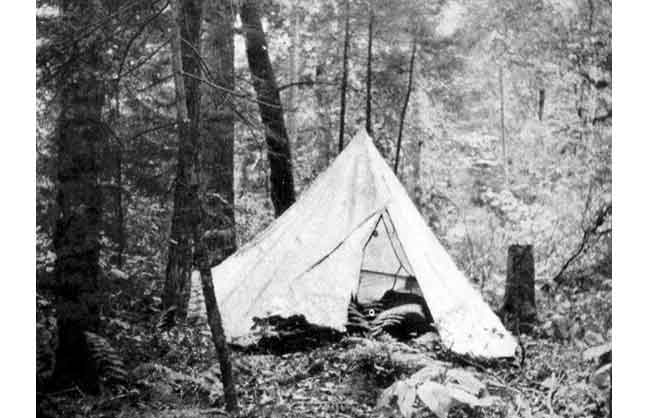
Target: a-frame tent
355	216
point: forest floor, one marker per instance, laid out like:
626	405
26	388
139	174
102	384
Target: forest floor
175	374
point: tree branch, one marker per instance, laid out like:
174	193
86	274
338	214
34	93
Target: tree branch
601	215
309	83
232	92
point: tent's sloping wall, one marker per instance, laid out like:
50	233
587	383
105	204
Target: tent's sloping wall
466	323
321	296
308	260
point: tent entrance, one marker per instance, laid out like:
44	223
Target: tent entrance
384	264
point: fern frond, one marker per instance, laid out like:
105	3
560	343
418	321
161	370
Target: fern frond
109	364
196	309
167	319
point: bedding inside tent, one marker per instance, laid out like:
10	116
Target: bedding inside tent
385	267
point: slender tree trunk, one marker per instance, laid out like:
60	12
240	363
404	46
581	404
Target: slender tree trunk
368	126
324	137
214	320
541	103
503	127
121	217
76	237
208	208
345	75
204	260
417	173
519	307
217	141
119	183
282	191
188	15
405	103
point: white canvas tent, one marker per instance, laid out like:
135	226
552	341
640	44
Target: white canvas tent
309	260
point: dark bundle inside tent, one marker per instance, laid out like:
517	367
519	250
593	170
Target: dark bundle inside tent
401	315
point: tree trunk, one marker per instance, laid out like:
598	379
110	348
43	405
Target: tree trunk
282	191
188	15
76	237
324	137
519	309
121	217
503	127
345	76
215	323
118	176
405	103
368	126
541	102
417	174
217	145
207	166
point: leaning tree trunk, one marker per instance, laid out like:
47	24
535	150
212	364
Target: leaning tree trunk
195	218
519	309
188	14
408	92
76	236
282	191
216	235
217	142
214	320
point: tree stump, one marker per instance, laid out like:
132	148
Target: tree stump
519	310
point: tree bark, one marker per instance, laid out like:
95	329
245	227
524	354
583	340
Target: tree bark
405	103
368	125
76	235
217	141
345	75
324	137
118	177
215	323
207	167
186	41
519	309
282	191
417	174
